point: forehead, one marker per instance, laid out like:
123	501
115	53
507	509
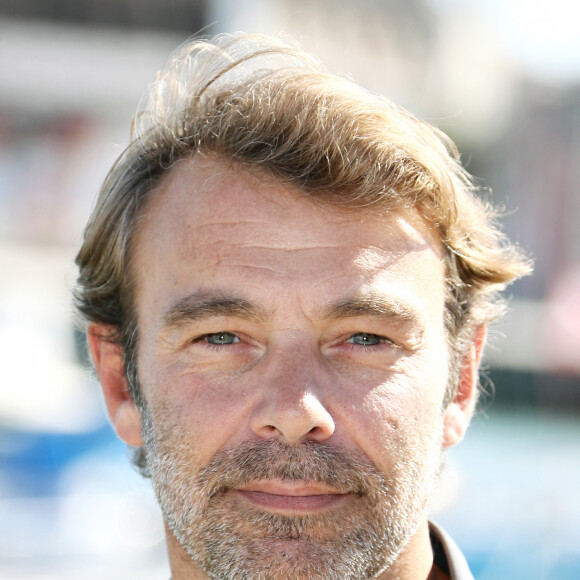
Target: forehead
216	219
221	193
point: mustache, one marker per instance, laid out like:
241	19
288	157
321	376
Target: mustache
344	470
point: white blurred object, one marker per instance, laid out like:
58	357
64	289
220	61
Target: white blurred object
42	386
540	37
66	68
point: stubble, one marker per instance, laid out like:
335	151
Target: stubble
233	540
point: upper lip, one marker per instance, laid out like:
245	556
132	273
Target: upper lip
289	488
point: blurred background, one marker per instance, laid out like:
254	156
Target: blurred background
502	77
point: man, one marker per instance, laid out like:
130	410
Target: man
287	282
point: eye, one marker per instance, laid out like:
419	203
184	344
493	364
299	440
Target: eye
366	339
220	338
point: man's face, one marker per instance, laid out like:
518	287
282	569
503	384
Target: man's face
294	363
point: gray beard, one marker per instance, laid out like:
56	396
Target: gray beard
231	540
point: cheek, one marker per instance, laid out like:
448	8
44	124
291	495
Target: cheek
398	417
206	413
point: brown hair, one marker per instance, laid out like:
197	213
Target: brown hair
265	103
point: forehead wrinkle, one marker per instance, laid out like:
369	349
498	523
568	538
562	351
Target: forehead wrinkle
273	235
292	249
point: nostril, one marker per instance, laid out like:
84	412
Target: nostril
322	431
269	430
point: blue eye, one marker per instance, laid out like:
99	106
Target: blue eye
366	339
221	338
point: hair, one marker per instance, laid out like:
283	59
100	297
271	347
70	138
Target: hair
264	103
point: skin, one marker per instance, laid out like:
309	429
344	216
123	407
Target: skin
264	316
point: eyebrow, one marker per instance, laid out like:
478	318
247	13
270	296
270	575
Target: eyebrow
195	307
377	306
199	306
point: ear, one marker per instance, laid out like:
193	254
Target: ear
458	413
108	361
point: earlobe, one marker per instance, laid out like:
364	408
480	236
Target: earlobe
108	361
458	413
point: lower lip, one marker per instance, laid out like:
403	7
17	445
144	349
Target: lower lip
291	503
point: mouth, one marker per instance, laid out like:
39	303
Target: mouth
291	497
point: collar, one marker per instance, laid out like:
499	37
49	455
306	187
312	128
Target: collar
447	554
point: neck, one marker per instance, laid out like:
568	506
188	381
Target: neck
438	574
182	566
415	561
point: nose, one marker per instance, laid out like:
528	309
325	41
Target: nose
291	407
